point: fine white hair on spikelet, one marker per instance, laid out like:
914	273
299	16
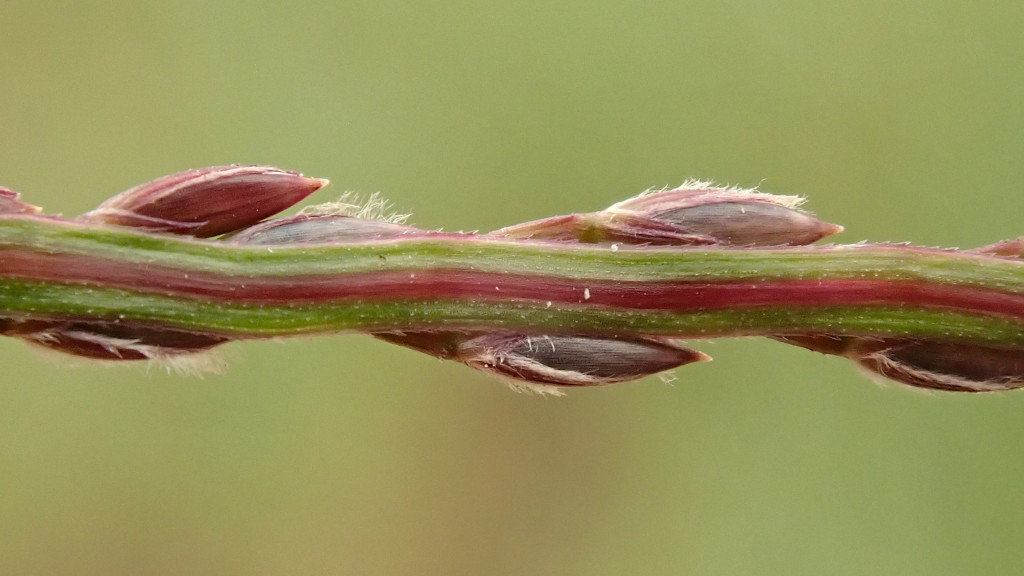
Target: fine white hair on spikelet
528	387
722	193
190	363
372	207
892	370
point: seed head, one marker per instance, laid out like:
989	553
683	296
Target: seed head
110	340
1006	248
944	365
560	360
724	216
573	360
938	365
206	202
327	228
10	204
692	215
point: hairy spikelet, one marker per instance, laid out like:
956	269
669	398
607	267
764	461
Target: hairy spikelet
352	204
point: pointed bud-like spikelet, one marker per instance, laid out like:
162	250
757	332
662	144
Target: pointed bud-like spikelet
206	202
559	360
10	204
944	365
573	360
694	214
110	340
728	216
326	228
938	365
1005	249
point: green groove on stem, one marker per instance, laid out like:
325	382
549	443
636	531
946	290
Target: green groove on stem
252	320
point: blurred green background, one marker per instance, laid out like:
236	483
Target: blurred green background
901	121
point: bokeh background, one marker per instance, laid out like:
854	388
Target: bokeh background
339	454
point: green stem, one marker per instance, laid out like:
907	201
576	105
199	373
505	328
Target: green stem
53	269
